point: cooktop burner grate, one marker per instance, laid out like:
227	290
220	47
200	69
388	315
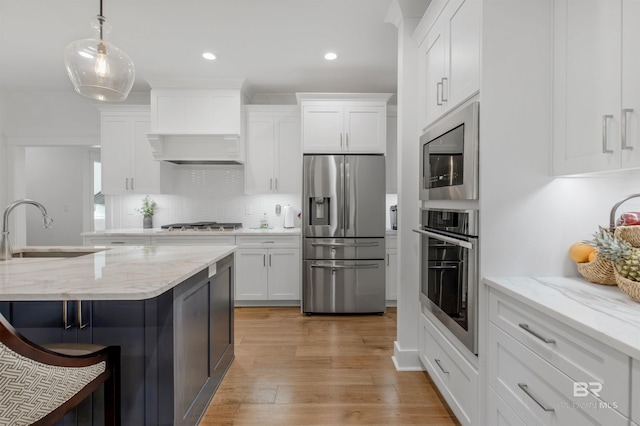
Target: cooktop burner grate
204	226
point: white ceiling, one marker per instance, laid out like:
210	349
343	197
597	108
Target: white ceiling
274	46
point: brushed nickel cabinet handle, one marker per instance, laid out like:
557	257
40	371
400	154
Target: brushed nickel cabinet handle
65	315
440	365
444	82
624	129
439	93
269	260
264	260
605	120
341	141
526	328
80	324
526	390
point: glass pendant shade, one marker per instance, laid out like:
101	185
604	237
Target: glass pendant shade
99	70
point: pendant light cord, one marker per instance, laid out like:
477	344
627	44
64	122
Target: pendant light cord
101	19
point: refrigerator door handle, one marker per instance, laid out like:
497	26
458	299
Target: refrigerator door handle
375	244
329	266
347	204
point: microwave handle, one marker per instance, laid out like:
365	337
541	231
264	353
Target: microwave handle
454	241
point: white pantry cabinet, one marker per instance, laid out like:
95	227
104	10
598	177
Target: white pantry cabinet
128	166
273	149
343	123
268	268
596	99
448	38
392	267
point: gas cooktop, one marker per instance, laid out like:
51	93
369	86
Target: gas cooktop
203	226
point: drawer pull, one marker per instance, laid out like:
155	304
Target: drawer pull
440	365
526	390
526	328
267	242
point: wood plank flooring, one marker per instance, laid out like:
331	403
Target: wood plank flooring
293	369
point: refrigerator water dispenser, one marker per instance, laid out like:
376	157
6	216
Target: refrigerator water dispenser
319	208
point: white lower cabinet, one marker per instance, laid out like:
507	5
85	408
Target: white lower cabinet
392	268
268	268
453	375
225	240
550	374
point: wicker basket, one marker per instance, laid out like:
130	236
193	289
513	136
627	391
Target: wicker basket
629	233
630	288
599	271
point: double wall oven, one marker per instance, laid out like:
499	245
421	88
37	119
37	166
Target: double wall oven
449	257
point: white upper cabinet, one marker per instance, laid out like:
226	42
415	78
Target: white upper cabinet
341	123
196	111
274	156
449	57
596	97
127	164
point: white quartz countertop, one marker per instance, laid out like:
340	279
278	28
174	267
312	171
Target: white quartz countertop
602	312
153	232
113	273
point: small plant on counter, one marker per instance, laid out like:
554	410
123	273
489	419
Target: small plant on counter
148	206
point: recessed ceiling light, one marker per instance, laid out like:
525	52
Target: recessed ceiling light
330	56
209	56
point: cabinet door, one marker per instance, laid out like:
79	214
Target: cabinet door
587	96
284	274
251	274
288	158
365	129
392	155
322	130
259	170
392	275
462	27
431	73
148	176
631	82
116	154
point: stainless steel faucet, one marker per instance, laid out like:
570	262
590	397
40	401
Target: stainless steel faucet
5	245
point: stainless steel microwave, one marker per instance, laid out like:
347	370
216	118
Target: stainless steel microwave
449	156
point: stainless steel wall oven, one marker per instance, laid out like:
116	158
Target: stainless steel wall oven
449	157
449	270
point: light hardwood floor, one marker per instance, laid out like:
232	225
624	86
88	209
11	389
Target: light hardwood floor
293	369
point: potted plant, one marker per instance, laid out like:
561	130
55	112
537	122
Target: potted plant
147	209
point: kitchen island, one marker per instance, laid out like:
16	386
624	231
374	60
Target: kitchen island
170	308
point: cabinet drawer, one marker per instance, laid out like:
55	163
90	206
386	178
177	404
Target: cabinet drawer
226	240
267	241
456	379
539	393
635	390
106	241
575	354
499	413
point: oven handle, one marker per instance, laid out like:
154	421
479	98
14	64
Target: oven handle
454	241
329	266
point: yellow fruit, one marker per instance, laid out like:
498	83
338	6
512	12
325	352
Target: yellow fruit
593	255
579	252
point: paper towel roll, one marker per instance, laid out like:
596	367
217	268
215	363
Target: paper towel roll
288	217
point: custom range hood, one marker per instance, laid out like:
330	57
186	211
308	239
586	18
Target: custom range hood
196	126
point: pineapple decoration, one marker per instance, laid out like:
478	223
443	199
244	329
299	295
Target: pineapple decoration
624	256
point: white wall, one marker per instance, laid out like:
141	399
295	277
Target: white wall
57	178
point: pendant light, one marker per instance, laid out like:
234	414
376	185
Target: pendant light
97	68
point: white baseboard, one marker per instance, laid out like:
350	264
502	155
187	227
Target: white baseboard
406	360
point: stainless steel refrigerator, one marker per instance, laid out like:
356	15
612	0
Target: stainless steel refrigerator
343	228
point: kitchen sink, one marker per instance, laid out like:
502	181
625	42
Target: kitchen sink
54	252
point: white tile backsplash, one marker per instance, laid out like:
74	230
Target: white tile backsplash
205	193
210	193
